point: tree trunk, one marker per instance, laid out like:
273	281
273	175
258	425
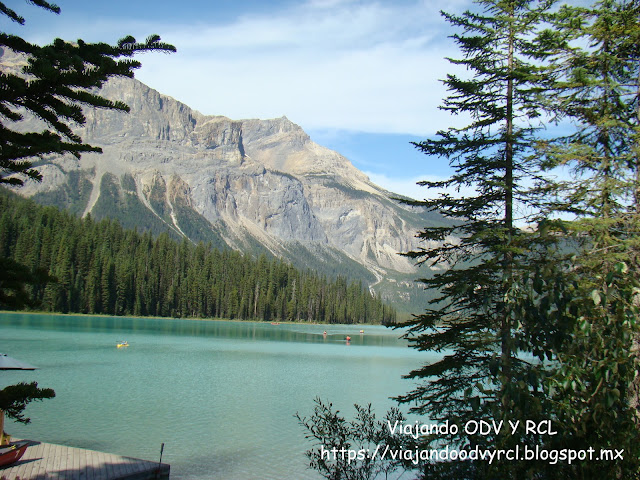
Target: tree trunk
505	328
4	439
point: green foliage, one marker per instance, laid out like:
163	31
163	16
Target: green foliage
474	318
73	195
353	450
58	80
118	200
103	269
331	263
592	386
542	324
14	279
196	227
15	398
594	390
597	88
125	207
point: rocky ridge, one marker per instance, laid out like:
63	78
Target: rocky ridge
247	184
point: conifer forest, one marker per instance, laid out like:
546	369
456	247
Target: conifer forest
101	268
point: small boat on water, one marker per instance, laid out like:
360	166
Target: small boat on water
122	344
12	453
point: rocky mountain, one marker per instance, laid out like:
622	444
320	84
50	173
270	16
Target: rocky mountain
251	185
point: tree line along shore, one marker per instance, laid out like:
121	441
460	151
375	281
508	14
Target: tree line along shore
101	268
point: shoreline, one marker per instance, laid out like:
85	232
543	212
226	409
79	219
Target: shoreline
39	312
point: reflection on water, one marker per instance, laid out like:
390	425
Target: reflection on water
220	395
373	335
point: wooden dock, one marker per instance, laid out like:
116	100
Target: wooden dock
45	461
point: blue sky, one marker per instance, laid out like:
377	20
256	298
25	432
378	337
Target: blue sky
361	77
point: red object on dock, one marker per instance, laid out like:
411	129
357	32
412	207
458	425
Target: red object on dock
12	453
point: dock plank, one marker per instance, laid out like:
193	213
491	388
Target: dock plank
46	461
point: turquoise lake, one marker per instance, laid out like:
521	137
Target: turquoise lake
220	395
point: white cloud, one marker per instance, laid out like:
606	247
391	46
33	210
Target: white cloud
368	66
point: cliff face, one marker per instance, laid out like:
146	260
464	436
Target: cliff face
247	184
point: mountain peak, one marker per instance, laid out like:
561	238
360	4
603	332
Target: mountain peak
253	185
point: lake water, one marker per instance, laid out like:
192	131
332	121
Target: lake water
220	395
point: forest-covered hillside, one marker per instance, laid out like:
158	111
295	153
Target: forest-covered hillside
102	268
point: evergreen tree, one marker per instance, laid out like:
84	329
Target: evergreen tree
15	398
14	279
596	85
56	83
102	268
474	321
